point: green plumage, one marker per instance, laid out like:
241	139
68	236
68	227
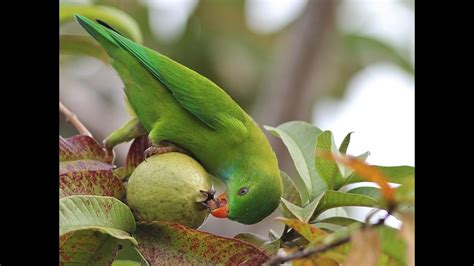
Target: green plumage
174	103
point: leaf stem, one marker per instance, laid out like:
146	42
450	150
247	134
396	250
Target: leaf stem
72	118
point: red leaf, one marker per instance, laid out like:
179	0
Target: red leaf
80	147
135	154
173	244
83	171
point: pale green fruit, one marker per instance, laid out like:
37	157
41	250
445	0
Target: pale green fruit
166	187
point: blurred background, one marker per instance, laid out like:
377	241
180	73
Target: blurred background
343	65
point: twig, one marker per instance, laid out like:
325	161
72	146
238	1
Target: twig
307	252
72	118
304	253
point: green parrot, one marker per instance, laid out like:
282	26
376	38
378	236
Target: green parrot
174	104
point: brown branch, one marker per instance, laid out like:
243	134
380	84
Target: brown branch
72	118
307	252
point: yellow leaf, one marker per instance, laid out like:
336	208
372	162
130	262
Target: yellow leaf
315	260
408	233
308	231
365	248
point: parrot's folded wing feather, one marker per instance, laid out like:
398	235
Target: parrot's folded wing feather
194	92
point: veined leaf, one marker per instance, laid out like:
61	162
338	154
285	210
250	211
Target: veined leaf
393	174
302	213
87	247
369	173
80	147
91	228
168	243
104	213
333	199
83	170
300	139
135	154
327	168
345	143
290	191
372	192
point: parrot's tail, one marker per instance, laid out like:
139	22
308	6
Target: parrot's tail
99	32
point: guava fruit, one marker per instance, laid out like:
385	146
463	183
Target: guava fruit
167	187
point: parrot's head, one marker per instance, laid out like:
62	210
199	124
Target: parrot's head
250	198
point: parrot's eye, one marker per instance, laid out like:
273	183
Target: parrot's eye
243	191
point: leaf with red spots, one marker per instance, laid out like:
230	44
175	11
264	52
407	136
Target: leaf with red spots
80	147
90	229
173	244
268	246
135	155
83	170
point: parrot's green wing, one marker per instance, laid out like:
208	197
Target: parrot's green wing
194	92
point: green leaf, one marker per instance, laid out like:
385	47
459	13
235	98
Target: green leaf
372	192
129	253
84	45
91	228
333	199
333	173
168	243
87	247
299	138
335	223
302	214
83	171
393	174
344	221
104	214
392	243
114	17
345	143
363	156
290	191
135	154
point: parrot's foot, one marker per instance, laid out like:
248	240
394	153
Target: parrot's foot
163	147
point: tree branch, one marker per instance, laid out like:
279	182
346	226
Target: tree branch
310	251
294	81
72	118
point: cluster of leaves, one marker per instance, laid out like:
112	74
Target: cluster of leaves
312	201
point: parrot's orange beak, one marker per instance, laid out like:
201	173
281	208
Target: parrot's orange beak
222	211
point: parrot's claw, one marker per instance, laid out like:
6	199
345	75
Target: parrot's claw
163	147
